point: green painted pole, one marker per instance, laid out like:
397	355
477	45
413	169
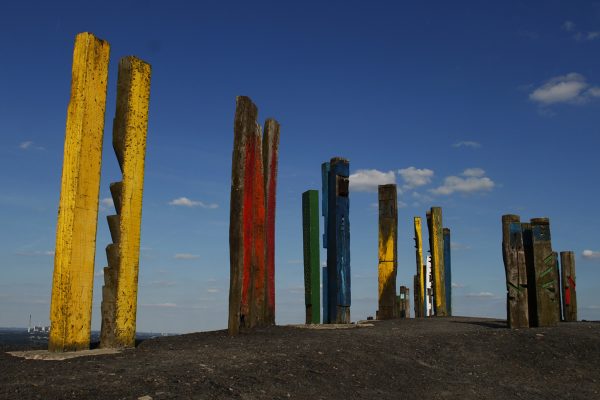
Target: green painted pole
310	227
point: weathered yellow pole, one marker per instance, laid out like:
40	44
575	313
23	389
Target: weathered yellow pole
420	291
130	126
437	262
388	243
72	283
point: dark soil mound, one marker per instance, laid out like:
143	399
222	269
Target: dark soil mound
457	358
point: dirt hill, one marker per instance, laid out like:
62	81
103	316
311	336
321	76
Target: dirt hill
437	358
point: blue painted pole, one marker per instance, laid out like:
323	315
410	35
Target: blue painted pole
338	242
448	271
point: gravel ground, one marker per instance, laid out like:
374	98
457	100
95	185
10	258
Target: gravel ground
435	358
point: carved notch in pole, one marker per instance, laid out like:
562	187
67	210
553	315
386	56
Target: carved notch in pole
73	279
130	127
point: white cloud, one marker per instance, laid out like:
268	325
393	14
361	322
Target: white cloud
471	181
474	172
35	253
593	35
213	290
481	295
415	177
185	202
467	143
457	285
367	180
26	145
571	88
186	256
402	204
590	254
568	26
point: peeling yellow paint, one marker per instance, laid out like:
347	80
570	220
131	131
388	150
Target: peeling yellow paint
421	275
129	141
72	284
437	261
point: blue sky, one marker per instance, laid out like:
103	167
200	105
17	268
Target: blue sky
482	109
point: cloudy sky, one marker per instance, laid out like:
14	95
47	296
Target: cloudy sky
482	110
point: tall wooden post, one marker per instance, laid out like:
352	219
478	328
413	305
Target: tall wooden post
312	269
544	261
324	207
437	262
73	279
567	262
130	126
448	271
338	242
513	254
270	163
530	269
388	249
558	286
403	302
420	282
247	222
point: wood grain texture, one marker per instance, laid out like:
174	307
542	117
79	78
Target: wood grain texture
513	254
338	242
72	283
130	127
312	269
419	289
567	263
437	262
270	165
245	129
388	244
546	279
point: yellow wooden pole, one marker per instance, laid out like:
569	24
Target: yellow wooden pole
129	141
419	255
72	283
388	241
437	262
